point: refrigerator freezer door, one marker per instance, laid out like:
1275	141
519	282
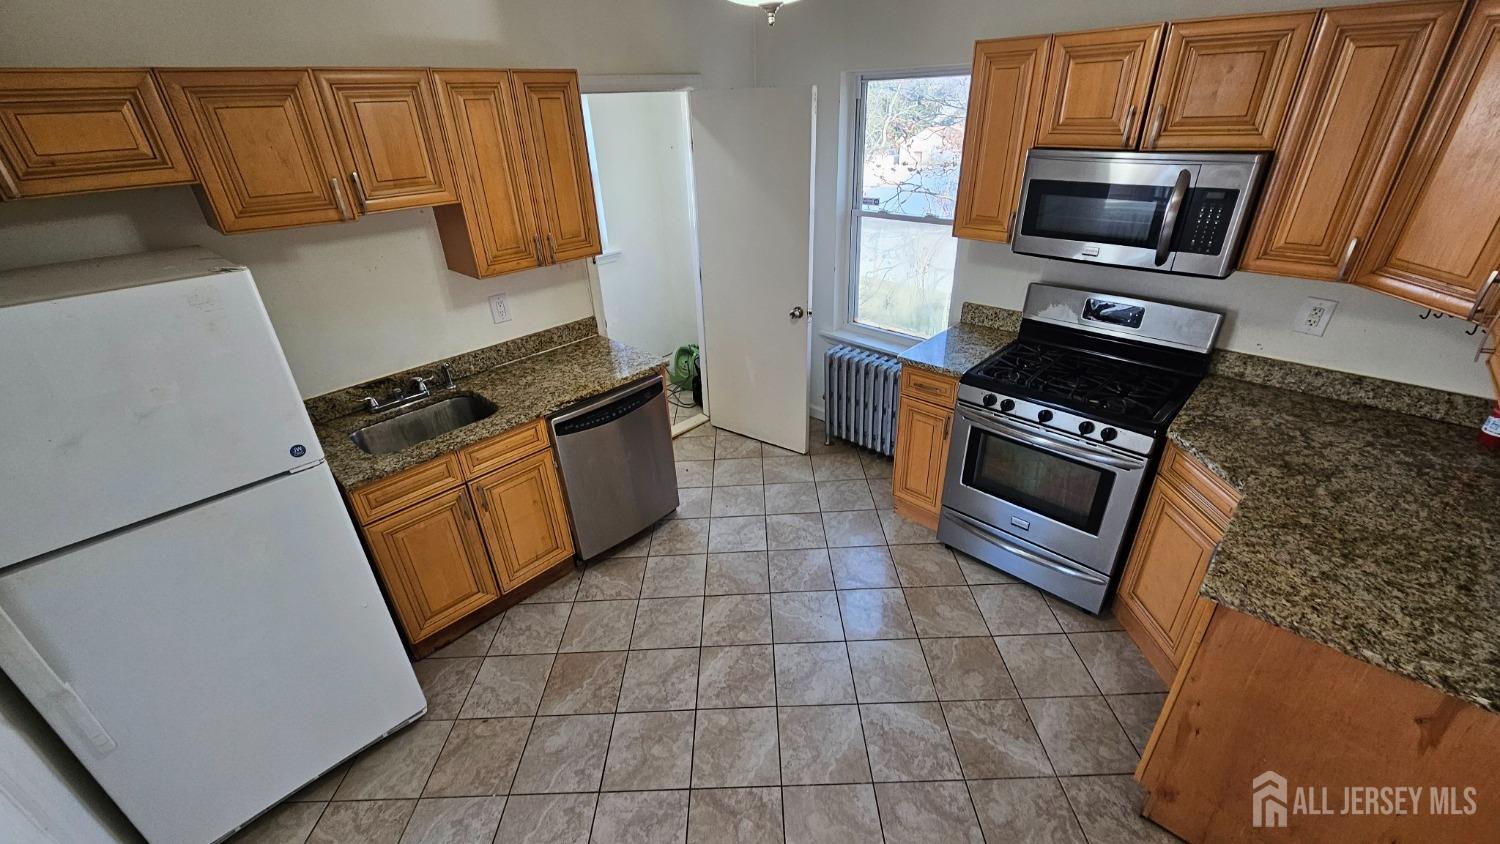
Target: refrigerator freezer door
127	403
207	664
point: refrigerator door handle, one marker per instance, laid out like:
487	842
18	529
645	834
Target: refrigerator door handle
35	678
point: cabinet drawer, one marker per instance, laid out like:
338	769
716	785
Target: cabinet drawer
497	451
1195	483
388	495
929	387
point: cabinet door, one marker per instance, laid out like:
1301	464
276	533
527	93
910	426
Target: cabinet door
392	149
1159	587
1226	83
524	518
75	131
1367	79
494	230
552	111
432	560
1438	239
1097	84
1005	95
921	458
262	149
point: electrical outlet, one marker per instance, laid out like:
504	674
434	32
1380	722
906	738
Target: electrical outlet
1313	316
500	309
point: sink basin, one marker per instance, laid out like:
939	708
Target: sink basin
422	424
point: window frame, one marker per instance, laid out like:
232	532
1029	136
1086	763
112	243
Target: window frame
854	170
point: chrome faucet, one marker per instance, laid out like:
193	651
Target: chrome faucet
415	390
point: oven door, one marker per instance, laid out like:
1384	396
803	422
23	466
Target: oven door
1067	495
1102	208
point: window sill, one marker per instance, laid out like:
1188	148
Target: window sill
876	341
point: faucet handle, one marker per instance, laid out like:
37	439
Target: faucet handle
447	377
419	385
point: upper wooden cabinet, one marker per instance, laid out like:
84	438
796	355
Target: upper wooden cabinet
1437	242
77	131
1367	78
263	151
1097	84
1005	95
552	111
1226	83
389	137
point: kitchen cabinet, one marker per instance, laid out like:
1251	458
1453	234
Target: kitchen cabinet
924	421
1226	83
431	558
389	137
526	192
1097	85
523	518
1437	242
79	131
1005	94
263	152
1183	521
1367	79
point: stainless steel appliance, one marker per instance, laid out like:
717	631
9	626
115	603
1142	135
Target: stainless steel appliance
615	453
1176	212
1057	434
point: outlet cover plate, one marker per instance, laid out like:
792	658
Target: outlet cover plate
500	308
1313	316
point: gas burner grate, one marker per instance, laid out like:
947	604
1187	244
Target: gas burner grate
1083	380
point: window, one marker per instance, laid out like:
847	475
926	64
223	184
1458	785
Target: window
910	137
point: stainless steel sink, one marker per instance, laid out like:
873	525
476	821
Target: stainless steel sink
422	424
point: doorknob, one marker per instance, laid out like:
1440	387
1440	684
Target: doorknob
797	313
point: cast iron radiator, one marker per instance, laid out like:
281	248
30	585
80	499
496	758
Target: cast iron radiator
860	390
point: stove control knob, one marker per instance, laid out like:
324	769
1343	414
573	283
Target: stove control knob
1108	434
1007	405
988	400
1085	427
1044	416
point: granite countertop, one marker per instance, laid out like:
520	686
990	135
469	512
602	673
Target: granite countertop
979	333
523	391
1374	532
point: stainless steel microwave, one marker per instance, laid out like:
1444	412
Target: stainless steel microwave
1175	212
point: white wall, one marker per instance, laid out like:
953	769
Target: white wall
819	41
357	300
648	291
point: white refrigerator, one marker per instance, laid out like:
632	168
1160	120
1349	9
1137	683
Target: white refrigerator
182	595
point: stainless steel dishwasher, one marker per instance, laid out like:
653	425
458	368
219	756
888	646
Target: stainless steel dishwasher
616	458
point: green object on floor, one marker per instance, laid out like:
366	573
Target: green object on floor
684	365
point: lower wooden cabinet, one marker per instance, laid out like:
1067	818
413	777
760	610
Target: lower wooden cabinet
432	559
1158	602
922	431
524	519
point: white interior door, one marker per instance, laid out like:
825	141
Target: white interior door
753	171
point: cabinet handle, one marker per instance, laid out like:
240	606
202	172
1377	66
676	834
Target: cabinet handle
8	184
1484	293
1348	253
536	249
551	249
1012	225
1155	133
338	198
1129	121
928	388
359	191
484	500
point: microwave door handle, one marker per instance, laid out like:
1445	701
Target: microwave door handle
36	679
1169	219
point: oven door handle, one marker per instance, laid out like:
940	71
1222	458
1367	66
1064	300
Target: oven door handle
1169	219
1050	444
993	537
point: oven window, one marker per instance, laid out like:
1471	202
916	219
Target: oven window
1123	215
1061	489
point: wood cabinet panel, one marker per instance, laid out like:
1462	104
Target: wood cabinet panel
432	559
1096	89
388	495
1005	95
77	131
921	459
261	147
499	450
929	386
524	519
495	229
1438	238
1367	78
1226	83
392	141
563	186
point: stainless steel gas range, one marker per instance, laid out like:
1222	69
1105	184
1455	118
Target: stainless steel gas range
1057	435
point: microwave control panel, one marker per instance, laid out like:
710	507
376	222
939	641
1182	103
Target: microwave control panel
1205	220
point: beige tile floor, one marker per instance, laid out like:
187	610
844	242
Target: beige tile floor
784	659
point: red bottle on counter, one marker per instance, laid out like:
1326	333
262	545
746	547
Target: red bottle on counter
1489	432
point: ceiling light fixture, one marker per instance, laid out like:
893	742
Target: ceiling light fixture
770	8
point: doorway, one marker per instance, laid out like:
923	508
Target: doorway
646	285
